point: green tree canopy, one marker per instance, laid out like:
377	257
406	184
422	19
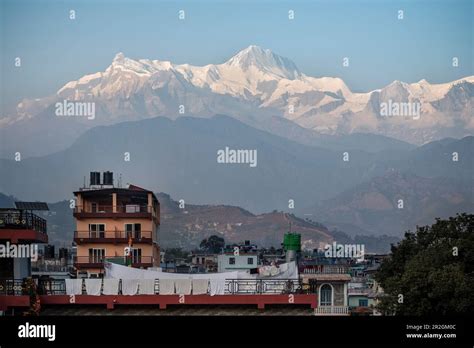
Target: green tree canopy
213	244
432	269
171	254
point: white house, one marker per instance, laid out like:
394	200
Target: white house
241	262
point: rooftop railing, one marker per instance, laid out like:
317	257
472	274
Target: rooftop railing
262	286
98	261
121	209
331	310
112	234
21	219
15	287
325	269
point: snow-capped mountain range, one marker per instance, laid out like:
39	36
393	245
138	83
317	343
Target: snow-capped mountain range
255	84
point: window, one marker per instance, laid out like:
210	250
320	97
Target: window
250	261
363	303
96	255
132	208
96	230
136	255
326	295
232	261
94	207
133	230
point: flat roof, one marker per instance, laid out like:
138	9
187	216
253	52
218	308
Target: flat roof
132	190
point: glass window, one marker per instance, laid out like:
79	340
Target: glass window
250	261
232	261
133	230
363	303
326	295
96	230
136	255
96	255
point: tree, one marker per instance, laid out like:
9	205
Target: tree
431	271
171	254
213	244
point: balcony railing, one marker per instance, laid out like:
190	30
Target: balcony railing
12	287
98	262
119	209
331	310
360	279
325	269
358	291
262	286
21	219
112	235
15	287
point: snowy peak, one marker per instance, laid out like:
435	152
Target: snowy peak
264	60
258	82
119	58
141	67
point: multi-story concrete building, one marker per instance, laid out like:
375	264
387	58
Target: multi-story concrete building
20	231
117	224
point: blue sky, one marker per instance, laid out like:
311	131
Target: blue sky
381	48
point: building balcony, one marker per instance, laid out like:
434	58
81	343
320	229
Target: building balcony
22	226
115	237
81	262
325	269
117	211
358	291
331	310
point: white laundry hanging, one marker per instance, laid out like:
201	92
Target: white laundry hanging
111	287
93	286
217	286
200	286
74	286
183	286
146	286
129	286
167	286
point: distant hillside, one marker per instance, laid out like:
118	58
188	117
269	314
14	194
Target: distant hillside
180	157
372	207
187	227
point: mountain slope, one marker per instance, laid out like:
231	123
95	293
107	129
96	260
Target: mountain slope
253	86
180	157
373	206
187	227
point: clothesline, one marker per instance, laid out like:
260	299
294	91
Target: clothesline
283	271
139	281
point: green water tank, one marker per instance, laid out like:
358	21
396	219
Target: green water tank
292	241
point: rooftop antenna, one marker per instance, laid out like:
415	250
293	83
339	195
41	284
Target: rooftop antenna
84	181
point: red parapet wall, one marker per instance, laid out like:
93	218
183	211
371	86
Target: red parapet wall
16	236
163	300
13	301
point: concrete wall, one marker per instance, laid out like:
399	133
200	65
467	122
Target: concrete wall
354	300
241	262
